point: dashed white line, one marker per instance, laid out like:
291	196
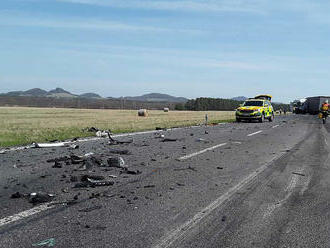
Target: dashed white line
275	126
251	134
25	214
184	229
200	152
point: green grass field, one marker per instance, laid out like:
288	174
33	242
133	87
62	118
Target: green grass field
21	126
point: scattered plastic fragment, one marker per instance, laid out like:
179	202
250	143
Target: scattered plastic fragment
202	140
102	134
74	146
49	145
169	140
299	174
93	183
150	186
119	151
90	209
161	128
188	168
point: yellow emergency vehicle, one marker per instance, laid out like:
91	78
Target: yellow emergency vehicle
257	108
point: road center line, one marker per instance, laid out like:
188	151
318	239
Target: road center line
184	229
25	214
251	134
200	152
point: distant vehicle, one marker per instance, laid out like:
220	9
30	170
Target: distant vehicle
299	106
313	104
258	108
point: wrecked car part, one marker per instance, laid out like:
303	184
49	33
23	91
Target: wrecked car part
100	182
85	178
132	172
117	162
40	197
57	164
17	195
91	129
87	165
112	141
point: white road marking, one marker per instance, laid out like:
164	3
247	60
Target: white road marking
183	230
275	126
25	214
251	134
200	152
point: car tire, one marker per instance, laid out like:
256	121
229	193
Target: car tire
262	118
238	120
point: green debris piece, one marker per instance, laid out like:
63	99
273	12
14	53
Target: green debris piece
48	242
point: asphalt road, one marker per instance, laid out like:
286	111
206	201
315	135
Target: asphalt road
231	185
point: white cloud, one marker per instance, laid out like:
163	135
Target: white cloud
91	24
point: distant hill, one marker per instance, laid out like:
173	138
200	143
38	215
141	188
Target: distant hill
156	97
239	98
90	95
35	92
61	93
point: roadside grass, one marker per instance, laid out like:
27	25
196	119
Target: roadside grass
22	125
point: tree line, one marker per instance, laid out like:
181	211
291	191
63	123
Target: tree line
206	103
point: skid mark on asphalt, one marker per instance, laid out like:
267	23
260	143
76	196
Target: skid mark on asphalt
295	180
25	214
200	152
251	134
184	229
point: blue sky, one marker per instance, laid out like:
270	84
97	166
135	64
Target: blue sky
190	48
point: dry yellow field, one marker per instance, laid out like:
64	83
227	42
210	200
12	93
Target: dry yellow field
22	125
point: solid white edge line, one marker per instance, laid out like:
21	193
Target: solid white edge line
179	232
200	152
26	213
251	134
